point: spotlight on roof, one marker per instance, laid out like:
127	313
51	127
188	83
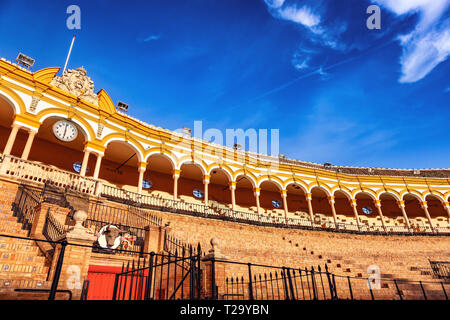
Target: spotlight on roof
187	131
416	171
25	61
327	165
237	146
282	156
370	170
122	106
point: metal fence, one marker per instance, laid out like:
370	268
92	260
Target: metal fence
441	269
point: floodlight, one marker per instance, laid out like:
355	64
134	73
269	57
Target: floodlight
25	61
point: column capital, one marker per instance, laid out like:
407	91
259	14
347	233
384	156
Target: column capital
284	193
232	185
424	204
176	173
257	191
331	199
353	202
206	178
401	203
309	196
94	147
142	166
446	204
377	203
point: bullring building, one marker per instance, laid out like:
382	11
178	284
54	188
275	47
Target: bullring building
74	167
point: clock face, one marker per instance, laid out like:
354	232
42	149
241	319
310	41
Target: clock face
65	130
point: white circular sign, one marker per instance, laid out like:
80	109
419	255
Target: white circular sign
102	238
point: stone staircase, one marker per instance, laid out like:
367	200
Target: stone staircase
22	263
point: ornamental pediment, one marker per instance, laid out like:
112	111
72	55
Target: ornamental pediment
76	82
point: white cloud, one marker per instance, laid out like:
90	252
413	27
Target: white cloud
152	37
302	15
274	3
429	43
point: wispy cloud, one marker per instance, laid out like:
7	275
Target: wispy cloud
152	38
429	43
447	90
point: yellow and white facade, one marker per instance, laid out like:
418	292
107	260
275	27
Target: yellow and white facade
114	149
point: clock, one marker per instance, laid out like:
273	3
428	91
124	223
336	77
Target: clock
65	130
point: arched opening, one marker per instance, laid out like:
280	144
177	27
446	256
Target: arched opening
245	196
158	178
190	183
437	211
120	165
367	211
393	216
323	214
297	203
415	212
7	114
219	186
344	210
50	150
270	198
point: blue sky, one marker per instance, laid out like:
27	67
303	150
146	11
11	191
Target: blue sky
337	91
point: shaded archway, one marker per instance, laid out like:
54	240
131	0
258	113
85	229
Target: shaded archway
191	179
393	215
270	196
367	211
7	113
323	213
158	177
49	150
219	186
297	203
437	211
344	210
415	212
120	165
245	196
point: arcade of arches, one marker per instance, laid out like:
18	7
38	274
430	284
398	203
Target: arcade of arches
119	163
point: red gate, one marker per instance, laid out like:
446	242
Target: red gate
101	282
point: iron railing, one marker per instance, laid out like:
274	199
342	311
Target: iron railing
201	210
441	269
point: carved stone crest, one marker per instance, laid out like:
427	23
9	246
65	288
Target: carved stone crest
76	82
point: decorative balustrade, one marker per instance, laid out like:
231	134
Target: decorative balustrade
180	206
39	173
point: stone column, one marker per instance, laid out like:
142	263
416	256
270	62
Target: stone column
258	207
98	164
142	166
76	258
333	210
213	273
447	208
11	139
401	204
285	206
154	238
424	205
206	183
378	205
310	208
176	175
354	205
233	195
85	162
26	150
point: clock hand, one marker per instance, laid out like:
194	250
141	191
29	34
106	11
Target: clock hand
65	130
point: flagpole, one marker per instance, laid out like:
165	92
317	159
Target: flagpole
68	56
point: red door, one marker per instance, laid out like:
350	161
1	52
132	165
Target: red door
101	282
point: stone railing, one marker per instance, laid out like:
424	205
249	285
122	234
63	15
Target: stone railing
180	206
29	171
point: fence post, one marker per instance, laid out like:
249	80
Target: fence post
335	289
116	284
370	289
330	284
148	288
398	290
423	290
290	284
313	282
250	285
213	279
57	271
443	289
350	287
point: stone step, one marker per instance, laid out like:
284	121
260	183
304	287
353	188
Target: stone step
10	294
24	283
9	270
